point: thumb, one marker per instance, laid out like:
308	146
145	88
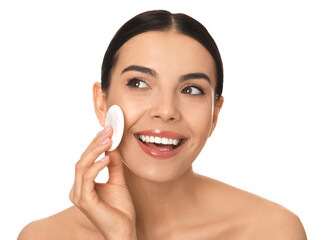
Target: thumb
115	168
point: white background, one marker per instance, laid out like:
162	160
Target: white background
270	135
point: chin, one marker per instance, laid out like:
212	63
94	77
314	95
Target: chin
156	175
154	170
139	163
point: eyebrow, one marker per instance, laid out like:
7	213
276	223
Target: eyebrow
153	73
195	76
140	69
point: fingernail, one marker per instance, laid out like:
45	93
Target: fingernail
105	141
104	131
104	159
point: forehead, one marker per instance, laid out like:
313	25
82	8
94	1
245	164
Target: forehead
166	52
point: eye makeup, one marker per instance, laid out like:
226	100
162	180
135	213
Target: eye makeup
197	90
135	82
189	89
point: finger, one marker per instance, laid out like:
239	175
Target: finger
88	193
80	171
115	168
106	132
97	147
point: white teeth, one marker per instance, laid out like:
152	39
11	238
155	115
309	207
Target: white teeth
175	141
159	140
164	141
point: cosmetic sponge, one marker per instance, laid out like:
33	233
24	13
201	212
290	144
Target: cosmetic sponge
115	119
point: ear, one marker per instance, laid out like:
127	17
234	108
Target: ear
99	103
216	111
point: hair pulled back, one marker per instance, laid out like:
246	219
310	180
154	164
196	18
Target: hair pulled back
160	20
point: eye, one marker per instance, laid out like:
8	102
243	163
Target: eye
136	83
192	90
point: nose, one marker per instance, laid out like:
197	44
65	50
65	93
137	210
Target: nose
165	108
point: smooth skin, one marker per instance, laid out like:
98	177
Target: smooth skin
149	198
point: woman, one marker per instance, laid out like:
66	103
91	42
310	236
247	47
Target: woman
165	72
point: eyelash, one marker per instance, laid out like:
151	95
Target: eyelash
198	88
133	79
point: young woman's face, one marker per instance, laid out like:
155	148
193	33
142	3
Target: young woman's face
164	82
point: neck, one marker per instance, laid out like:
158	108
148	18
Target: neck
162	204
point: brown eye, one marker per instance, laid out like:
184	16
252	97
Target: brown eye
136	83
192	90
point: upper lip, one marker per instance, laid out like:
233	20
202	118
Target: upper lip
160	133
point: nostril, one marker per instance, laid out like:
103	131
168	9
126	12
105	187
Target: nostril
165	114
170	119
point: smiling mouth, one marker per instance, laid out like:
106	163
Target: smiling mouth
160	144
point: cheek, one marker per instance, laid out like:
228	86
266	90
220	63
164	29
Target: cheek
198	118
133	113
131	107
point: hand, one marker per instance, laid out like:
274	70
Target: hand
108	205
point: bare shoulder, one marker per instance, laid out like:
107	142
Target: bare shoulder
67	224
273	221
250	216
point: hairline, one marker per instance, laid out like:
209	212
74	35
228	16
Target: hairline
172	28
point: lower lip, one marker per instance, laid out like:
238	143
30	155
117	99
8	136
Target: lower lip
160	154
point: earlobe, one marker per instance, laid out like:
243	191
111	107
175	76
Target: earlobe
216	112
99	103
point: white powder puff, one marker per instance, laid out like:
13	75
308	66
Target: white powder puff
115	119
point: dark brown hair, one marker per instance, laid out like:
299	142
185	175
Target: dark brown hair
160	20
